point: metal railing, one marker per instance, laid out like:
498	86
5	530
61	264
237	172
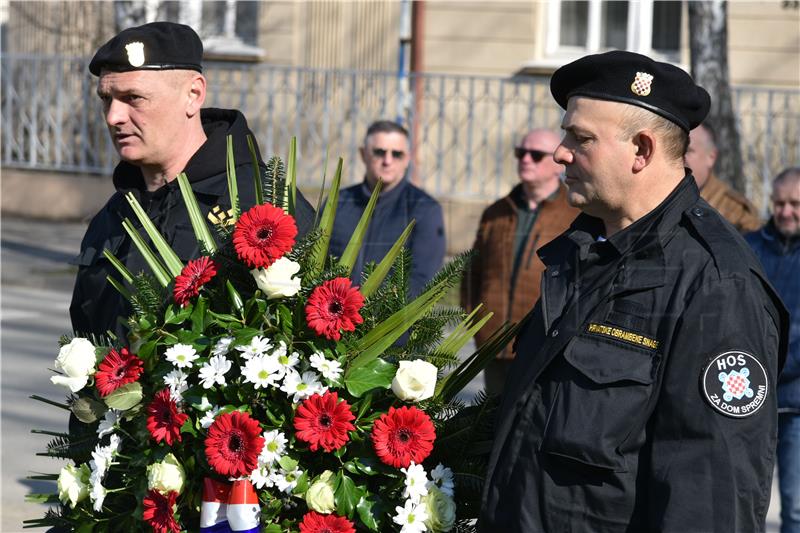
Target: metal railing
464	126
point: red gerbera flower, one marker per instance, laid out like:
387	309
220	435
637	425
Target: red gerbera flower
116	370
324	421
313	522
164	421
333	306
403	435
158	511
233	444
263	234
194	275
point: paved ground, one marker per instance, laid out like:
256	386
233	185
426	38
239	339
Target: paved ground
36	285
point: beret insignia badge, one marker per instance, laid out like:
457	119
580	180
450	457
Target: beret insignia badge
642	83
735	384
135	52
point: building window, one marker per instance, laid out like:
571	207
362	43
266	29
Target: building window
651	27
227	27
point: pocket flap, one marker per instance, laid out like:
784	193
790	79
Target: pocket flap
610	362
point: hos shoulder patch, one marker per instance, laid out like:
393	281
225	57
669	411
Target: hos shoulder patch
735	383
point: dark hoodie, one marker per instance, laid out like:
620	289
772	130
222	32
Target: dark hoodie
96	305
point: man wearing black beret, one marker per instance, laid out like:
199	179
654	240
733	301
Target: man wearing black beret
152	89
642	398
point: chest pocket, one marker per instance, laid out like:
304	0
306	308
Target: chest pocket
604	391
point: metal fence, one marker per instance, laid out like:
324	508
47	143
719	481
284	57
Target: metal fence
464	126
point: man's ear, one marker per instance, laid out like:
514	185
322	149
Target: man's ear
645	144
197	95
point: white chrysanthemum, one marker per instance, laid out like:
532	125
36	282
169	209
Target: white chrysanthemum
209	416
329	368
181	355
98	495
258	346
204	404
274	446
108	423
284	359
286	480
411	517
261	477
222	346
302	387
176	381
443	478
416	482
213	372
262	371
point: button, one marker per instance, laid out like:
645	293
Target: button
554	273
555	333
698	212
622	266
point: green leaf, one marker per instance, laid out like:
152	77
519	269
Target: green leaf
291	172
87	410
201	231
382	270
233	187
256	170
125	397
199	315
188	427
41	498
121	268
320	251
375	374
272	528
234	296
356	239
364	508
177	315
125	293
161	274
347	496
287	463
171	259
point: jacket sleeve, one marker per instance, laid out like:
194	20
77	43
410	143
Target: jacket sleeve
709	471
471	282
428	245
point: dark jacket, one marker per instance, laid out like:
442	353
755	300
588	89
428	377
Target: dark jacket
96	306
616	416
781	260
393	212
488	279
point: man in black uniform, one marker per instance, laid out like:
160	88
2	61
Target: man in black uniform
642	397
152	89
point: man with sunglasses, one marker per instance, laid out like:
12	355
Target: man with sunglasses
386	157
506	273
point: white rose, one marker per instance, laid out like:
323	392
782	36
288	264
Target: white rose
166	476
320	497
73	484
415	380
278	280
76	360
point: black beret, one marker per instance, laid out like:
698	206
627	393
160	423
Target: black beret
154	46
634	79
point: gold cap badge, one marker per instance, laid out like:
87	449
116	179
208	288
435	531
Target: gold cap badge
135	52
642	83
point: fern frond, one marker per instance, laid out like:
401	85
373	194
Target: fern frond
273	181
148	296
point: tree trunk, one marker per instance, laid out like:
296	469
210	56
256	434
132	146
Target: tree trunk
708	41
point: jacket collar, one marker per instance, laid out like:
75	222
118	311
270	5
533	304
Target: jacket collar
386	196
771	234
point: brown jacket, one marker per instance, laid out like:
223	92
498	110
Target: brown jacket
488	280
731	204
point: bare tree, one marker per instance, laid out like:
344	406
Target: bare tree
708	41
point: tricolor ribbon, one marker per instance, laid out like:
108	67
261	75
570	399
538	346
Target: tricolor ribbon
229	507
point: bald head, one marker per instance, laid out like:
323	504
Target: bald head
701	154
536	168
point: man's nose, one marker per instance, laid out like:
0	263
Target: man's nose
116	113
562	155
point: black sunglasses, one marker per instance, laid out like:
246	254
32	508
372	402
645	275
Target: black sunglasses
381	152
536	155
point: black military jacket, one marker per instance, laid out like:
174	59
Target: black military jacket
96	305
642	396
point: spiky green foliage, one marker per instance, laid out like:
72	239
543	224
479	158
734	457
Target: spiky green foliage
451	273
464	445
303	246
76	446
148	296
428	332
273	181
53	517
392	294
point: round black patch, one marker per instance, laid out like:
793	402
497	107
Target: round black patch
735	384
